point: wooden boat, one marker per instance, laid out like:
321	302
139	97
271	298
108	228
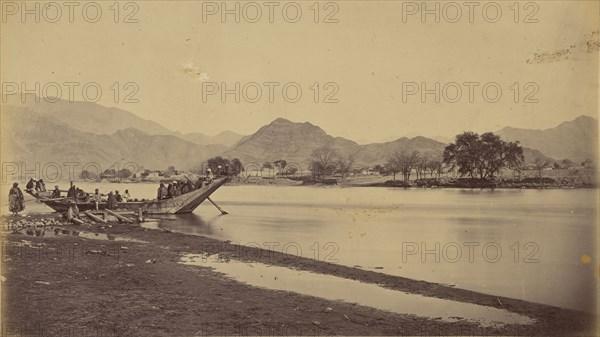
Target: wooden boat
182	204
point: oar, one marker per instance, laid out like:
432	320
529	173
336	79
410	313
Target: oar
217	206
53	199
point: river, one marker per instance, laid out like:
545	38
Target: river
536	245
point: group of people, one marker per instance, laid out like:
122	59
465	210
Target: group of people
35	185
176	188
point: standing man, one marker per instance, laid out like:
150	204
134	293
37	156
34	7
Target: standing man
72	192
16	200
162	192
96	198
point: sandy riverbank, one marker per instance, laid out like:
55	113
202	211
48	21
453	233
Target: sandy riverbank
139	288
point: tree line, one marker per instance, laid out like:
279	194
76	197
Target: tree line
470	155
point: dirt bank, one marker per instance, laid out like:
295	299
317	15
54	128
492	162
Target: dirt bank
138	288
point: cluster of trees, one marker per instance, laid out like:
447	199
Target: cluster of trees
280	167
326	161
121	174
482	156
406	161
219	165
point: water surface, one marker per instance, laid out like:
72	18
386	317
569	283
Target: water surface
437	235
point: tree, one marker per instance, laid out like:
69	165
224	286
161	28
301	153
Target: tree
322	162
85	174
379	169
236	166
540	165
434	165
567	163
519	168
280	164
124	173
404	162
344	165
218	165
483	156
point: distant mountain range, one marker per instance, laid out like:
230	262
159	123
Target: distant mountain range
101	120
31	137
294	142
88	132
576	140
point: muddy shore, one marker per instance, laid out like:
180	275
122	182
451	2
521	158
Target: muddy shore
128	281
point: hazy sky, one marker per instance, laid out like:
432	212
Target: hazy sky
371	53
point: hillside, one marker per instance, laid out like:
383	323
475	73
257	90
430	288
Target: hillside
282	139
294	142
31	137
576	139
101	120
226	138
90	117
87	132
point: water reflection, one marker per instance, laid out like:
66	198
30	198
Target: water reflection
337	288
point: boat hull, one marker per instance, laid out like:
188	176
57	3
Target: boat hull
185	203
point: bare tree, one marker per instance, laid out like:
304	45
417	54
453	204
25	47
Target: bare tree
404	162
344	165
323	162
540	165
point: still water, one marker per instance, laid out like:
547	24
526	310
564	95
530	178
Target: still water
536	245
368	294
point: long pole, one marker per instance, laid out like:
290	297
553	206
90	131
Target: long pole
217	206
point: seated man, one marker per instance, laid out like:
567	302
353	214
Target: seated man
56	192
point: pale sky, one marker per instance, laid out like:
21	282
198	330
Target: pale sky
369	53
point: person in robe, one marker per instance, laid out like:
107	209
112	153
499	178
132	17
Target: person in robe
126	196
176	189
190	186
199	183
97	197
72	192
73	211
118	196
16	200
162	192
111	201
169	190
40	186
185	188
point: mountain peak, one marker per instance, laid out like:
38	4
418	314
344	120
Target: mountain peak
281	120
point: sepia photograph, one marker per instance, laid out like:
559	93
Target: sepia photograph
180	168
